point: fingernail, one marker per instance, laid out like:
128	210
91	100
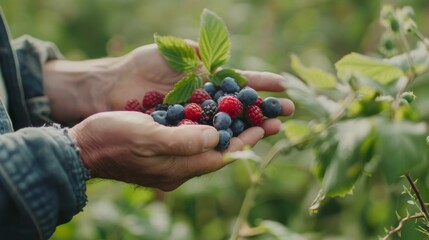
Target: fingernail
210	138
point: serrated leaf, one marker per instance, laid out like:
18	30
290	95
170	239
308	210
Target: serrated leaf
227	72
316	78
342	154
214	41
377	69
402	145
178	53
296	130
183	89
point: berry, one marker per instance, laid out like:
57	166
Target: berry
254	116
408	96
218	95
193	112
247	96
187	122
230	105
175	113
209	111
151	99
259	101
230	132
150	110
210	88
133	105
237	127
207	102
160	117
162	107
271	107
224	140
199	96
229	85
221	121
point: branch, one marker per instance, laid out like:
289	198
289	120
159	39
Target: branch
401	224
418	195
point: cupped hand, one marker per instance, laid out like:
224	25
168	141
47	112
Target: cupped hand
131	147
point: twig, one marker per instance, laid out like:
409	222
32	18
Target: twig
418	195
401	224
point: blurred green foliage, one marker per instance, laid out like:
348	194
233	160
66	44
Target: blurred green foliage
264	34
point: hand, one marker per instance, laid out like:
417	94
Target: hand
149	154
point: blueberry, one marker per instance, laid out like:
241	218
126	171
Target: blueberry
160	117
237	127
208	102
224	140
271	107
230	132
247	96
221	121
229	85
218	94
210	88
175	113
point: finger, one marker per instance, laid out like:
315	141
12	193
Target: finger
247	138
186	140
288	107
264	81
271	126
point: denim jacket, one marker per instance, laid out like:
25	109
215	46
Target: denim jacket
42	180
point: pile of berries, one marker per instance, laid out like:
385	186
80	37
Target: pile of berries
229	108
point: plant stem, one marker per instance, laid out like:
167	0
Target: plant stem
418	195
401	224
408	54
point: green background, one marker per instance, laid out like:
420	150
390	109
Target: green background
263	35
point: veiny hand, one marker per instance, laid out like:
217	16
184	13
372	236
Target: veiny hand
131	147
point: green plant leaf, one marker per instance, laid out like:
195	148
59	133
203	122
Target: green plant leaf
342	153
227	72
419	56
401	145
183	89
377	69
314	77
296	130
214	41
178	53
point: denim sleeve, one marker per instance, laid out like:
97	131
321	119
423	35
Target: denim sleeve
32	53
42	182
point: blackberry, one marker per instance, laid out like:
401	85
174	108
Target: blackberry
160	117
207	102
208	113
224	140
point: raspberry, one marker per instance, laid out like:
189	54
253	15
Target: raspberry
247	96
208	113
150	110
224	140
199	96
152	98
229	85
133	105
259	102
193	112
160	117
271	107
230	105
221	121
254	116
187	122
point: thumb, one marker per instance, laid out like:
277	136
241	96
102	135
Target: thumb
187	139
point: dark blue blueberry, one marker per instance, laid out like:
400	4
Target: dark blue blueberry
237	127
247	96
229	85
221	121
224	140
210	88
160	117
271	107
208	102
175	114
230	132
218	94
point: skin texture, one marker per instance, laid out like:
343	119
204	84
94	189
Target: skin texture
130	146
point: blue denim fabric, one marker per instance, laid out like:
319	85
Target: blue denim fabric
42	180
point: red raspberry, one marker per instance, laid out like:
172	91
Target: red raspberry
152	98
149	111
133	105
187	122
259	102
254	116
199	96
193	112
230	105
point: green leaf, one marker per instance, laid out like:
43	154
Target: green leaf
342	153
178	53
316	78
401	145
213	42
419	56
226	72
279	231
183	89
377	69
296	130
